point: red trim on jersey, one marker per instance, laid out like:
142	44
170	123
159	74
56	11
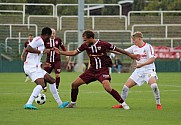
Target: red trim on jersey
142	45
63	47
151	50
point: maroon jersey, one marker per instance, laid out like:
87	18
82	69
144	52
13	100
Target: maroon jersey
26	43
98	54
56	42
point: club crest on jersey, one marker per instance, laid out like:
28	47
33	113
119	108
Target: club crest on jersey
99	48
56	42
105	76
149	75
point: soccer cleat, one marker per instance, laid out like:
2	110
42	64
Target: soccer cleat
30	106
117	106
27	79
159	106
125	106
71	105
63	105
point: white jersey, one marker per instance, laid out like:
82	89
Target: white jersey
146	52
34	59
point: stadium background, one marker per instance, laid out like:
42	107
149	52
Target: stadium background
111	20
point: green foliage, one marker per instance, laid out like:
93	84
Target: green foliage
163	5
138	5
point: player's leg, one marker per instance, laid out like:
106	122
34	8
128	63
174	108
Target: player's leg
57	69
35	93
74	92
114	93
48	70
134	79
156	91
54	91
27	78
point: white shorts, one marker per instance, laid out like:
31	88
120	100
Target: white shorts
140	77
34	72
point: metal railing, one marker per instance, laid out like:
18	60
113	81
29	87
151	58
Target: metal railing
10	27
93	20
96	31
159	13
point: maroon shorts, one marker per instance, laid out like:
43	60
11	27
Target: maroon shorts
54	65
91	75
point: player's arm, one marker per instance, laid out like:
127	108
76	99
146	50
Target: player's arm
22	54
133	56
150	61
69	53
116	52
66	53
32	50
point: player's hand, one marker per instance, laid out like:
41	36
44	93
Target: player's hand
56	50
135	56
67	58
45	65
139	65
46	51
22	58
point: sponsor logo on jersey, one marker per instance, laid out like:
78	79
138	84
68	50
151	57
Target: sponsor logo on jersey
105	76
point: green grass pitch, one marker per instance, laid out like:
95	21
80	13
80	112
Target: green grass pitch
93	104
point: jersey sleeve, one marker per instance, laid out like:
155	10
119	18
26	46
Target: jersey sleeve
150	51
129	49
35	43
81	48
109	46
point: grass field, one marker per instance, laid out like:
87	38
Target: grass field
93	105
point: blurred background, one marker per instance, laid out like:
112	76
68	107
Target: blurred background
111	20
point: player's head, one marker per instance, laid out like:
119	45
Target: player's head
88	36
30	37
46	33
137	37
53	33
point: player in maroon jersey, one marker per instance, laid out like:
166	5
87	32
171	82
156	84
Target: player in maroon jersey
30	38
99	66
54	58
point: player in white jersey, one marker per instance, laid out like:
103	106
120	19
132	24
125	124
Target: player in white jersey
34	68
145	69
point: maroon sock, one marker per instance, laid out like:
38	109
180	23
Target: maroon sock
74	94
116	95
57	82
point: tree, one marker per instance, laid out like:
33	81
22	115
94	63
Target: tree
138	5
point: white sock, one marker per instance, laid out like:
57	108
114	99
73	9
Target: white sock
124	93
54	92
156	92
34	94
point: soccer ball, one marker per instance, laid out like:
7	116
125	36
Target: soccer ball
41	99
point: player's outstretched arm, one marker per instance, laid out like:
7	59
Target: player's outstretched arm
133	56
67	53
150	61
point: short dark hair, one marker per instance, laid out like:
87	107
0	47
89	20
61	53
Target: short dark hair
88	34
46	30
30	34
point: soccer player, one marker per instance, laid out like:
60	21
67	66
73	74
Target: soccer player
33	68
145	69
99	66
54	58
30	38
